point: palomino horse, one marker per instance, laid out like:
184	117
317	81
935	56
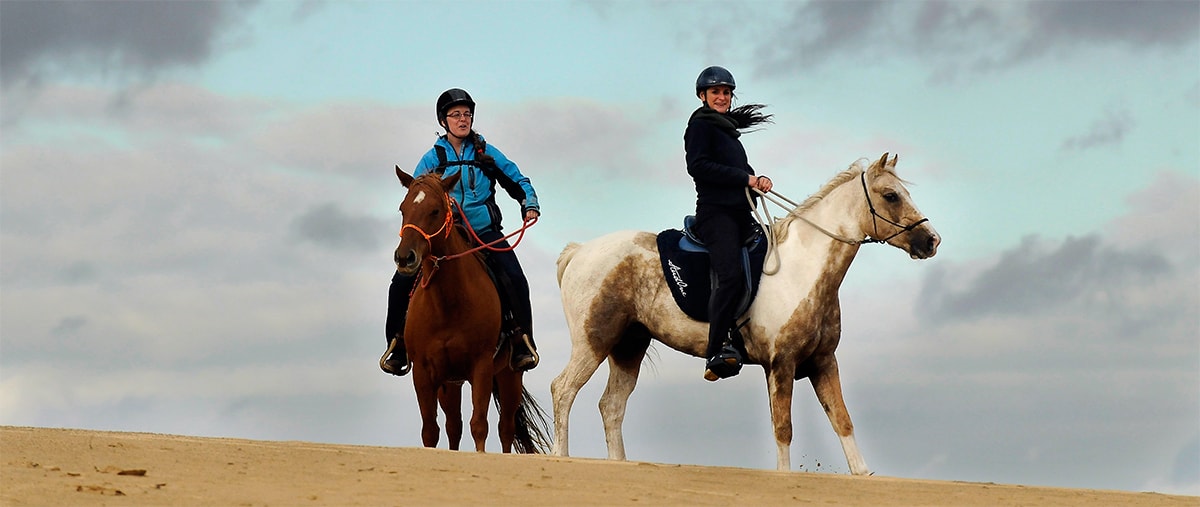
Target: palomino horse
453	330
616	300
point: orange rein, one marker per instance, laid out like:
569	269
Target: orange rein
451	204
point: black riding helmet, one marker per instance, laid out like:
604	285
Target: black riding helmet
451	98
714	76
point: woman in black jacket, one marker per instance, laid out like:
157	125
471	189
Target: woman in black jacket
717	163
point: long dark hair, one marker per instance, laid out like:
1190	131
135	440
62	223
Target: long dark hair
750	115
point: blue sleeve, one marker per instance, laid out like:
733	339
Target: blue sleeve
517	185
426	164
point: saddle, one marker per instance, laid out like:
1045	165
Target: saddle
688	272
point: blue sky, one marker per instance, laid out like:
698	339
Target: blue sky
198	208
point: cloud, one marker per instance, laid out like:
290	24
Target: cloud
329	226
968	37
1031	278
1108	130
109	37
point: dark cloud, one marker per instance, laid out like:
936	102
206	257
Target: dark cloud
1110	129
69	326
971	37
108	36
327	225
1134	22
1030	279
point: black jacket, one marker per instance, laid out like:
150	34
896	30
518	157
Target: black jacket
717	162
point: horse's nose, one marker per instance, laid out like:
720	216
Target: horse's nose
932	245
407	261
923	244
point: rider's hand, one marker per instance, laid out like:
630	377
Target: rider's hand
531	214
762	183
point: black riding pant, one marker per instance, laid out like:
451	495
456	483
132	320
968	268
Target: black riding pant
513	289
723	232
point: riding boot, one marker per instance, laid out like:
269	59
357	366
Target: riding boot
395	359
724	360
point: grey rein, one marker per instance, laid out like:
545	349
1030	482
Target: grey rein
776	197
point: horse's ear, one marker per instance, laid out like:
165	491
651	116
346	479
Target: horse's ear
892	164
882	160
405	179
448	182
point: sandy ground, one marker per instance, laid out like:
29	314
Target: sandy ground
43	466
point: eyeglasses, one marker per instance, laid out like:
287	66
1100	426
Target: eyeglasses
459	114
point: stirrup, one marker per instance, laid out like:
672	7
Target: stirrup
727	363
526	362
388	365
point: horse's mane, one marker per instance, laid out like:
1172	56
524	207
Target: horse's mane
856	168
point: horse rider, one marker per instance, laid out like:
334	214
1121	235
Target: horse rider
717	162
461	149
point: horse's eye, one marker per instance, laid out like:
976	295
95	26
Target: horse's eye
891	197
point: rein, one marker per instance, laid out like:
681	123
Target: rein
451	204
775	198
525	225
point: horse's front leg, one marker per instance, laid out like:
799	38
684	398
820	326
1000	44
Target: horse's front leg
427	394
450	398
828	385
481	395
779	393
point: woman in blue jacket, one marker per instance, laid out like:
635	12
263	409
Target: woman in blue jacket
483	166
717	163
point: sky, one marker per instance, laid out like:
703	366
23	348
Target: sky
198	209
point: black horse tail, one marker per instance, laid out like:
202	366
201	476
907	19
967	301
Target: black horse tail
533	435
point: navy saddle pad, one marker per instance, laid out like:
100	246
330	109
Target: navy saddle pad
687	270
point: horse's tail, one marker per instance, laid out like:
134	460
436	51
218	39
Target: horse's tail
565	257
533	434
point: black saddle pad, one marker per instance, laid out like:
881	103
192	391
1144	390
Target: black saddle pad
689	275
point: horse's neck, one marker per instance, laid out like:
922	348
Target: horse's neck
839	212
810	247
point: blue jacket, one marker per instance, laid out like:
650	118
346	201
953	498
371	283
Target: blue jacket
476	190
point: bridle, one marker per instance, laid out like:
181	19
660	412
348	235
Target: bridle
776	197
445	224
875	215
451	204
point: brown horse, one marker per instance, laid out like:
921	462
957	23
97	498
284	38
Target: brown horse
453	330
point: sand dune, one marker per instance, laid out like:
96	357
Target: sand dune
43	466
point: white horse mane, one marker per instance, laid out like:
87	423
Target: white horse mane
780	227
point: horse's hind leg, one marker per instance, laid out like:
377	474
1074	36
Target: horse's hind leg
828	385
624	364
565	387
450	398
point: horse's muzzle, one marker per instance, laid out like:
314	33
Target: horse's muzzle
407	263
923	243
